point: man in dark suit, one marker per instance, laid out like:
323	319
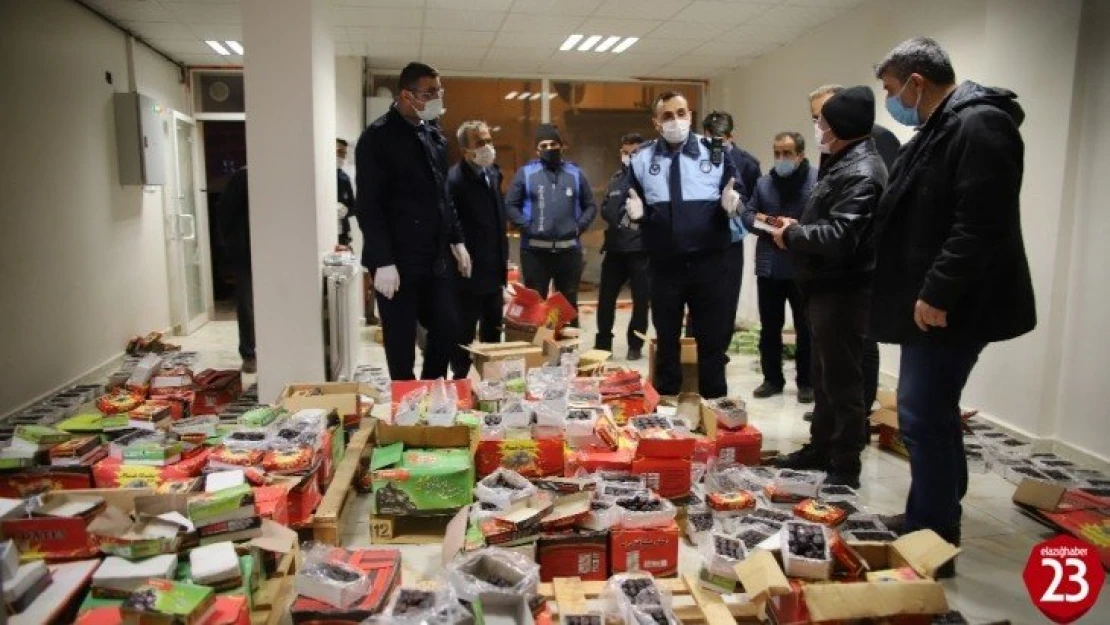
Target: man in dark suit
412	241
233	226
474	185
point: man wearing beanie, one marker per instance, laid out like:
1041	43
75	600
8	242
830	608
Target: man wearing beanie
833	249
550	201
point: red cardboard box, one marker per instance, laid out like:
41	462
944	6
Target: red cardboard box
272	502
651	549
383	566
43	479
592	461
304	496
528	308
112	473
400	388
575	553
529	457
626	406
51	538
669	477
740	446
704	448
216	389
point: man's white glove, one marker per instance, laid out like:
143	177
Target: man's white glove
634	206
730	198
341	208
462	257
387	281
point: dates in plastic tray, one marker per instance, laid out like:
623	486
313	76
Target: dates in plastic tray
806	541
730	502
411	601
770	516
641	592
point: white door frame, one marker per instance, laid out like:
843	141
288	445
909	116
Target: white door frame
200	232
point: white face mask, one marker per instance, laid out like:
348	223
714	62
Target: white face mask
484	155
432	110
676	130
626	159
824	148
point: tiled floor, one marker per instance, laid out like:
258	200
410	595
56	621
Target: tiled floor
997	538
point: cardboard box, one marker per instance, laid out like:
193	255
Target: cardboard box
502	609
112	473
116	534
400	388
34	480
528	309
412	481
63	537
741	446
530	457
486	356
213	390
575	553
650	549
688	357
351	400
117	577
592	461
568	511
161	601
383	566
669	477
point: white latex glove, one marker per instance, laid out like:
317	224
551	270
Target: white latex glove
730	198
342	209
387	281
462	257
634	206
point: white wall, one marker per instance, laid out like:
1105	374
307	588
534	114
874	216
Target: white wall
1083	392
348	118
1028	46
82	259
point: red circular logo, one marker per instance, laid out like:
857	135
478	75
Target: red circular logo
1063	576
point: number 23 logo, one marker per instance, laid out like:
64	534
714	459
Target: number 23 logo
1079	577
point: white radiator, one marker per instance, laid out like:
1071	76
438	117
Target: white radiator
343	309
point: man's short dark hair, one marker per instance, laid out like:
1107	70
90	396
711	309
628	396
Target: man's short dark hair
799	141
717	124
342	142
920	55
632	138
413	72
666	96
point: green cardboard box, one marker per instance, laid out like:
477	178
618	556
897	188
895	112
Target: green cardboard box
421	481
173	603
222	505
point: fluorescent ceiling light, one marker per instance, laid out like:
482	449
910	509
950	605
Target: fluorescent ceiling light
524	96
552	95
626	44
510	95
235	46
589	43
536	96
608	43
570	42
218	47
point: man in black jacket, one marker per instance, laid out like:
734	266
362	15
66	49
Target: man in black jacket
833	246
951	273
346	204
625	261
412	241
781	193
234	229
475	187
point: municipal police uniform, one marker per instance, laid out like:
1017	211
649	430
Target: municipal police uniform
551	206
686	233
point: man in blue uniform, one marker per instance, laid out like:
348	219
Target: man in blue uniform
413	243
683	197
551	202
346	205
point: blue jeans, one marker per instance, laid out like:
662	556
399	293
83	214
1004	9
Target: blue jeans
930	382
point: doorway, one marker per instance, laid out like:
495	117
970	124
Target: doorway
225	151
186	253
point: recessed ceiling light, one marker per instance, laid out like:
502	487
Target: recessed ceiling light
552	95
536	96
570	42
626	44
590	42
510	95
235	46
524	96
608	43
218	47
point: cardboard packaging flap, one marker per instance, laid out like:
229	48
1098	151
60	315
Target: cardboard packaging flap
275	538
387	456
1038	494
568	509
454	536
924	551
859	600
885	416
422	435
343	397
762	577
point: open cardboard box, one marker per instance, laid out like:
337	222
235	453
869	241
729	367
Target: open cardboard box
423	435
688	358
349	399
484	355
117	534
923	551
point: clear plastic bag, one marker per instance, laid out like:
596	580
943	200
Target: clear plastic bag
443	404
585	391
492	570
503	487
636	599
410	407
327	577
516	413
722	552
645	511
417	606
514	376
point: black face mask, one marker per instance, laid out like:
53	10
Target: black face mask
552	157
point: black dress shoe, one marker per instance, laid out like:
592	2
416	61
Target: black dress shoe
836	478
634	353
805	394
808	458
766	390
808	416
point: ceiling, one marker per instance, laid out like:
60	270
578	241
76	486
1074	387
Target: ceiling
678	38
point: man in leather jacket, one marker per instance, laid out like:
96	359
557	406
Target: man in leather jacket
834	251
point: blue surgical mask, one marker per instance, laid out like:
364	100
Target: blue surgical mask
901	113
785	167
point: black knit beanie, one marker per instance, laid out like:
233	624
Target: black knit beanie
548	132
850	113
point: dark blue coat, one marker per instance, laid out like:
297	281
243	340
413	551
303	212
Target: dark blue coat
481	211
777	197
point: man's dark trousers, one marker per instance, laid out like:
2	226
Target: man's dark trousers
481	311
616	269
837	324
563	266
430	300
693	280
244	311
773	296
931	379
